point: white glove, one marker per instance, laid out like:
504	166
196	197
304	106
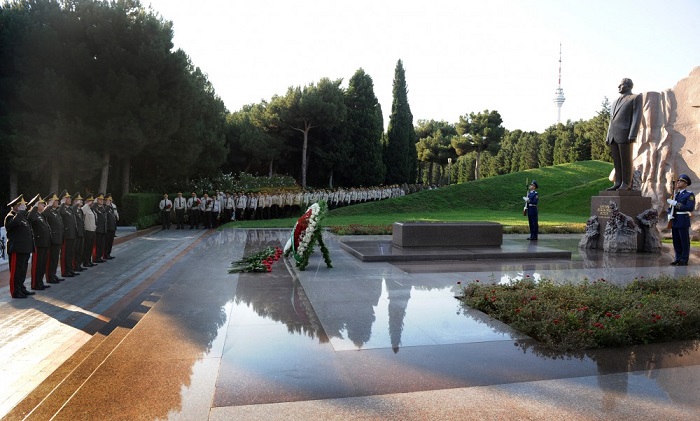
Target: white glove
671	202
526	199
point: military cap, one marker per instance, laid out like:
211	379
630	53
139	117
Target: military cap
18	201
100	196
685	178
534	183
77	196
109	196
36	199
52	196
65	194
90	199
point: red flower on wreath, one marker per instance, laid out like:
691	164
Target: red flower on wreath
300	227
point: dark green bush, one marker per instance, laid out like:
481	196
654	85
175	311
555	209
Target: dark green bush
147	221
137	205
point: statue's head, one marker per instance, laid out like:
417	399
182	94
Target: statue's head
625	86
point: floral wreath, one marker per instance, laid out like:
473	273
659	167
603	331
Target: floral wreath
306	234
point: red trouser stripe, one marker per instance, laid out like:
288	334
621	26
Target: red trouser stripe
13	271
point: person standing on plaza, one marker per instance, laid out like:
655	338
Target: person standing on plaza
20	244
531	201
90	220
53	217
80	229
193	210
112	217
180	204
165	205
100	228
215	214
241	206
70	233
681	207
42	241
229	207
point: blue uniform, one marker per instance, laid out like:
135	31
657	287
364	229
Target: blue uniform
680	228
532	199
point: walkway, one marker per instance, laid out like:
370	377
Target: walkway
164	332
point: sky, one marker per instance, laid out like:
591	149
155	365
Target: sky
459	56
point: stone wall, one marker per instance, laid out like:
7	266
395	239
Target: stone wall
668	142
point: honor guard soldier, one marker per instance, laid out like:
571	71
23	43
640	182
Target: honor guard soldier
100	228
80	229
70	233
681	207
229	205
42	241
56	223
532	216
180	204
112	218
193	210
90	220
20	244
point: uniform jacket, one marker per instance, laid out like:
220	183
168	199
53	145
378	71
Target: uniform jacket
100	219
625	116
70	228
89	217
532	198
686	204
56	223
40	228
111	218
79	221
19	233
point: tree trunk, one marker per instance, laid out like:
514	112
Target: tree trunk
430	173
270	172
303	159
477	165
330	180
126	175
14	181
55	171
105	173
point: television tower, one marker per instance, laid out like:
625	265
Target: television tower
559	93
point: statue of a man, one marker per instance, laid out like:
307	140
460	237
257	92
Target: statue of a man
625	116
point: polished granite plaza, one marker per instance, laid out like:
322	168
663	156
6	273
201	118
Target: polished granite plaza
164	332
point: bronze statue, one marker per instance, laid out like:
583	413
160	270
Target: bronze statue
625	116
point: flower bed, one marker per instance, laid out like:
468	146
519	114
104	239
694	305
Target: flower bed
593	314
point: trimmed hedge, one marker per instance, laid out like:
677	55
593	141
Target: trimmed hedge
136	206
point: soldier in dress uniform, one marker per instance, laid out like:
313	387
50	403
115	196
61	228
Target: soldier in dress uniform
42	241
70	233
90	224
193	210
532	215
228	205
165	206
100	228
681	208
56	223
180	204
112	218
20	244
80	229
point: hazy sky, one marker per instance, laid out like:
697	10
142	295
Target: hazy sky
459	56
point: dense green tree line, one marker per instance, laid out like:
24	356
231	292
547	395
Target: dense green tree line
92	95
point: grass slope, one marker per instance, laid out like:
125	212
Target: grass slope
565	192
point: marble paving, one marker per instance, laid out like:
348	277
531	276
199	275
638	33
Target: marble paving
164	332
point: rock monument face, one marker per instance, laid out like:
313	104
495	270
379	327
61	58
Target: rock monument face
668	142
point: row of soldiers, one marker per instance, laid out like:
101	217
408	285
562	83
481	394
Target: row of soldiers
224	206
68	230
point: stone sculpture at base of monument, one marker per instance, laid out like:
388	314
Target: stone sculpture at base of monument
620	235
590	238
647	221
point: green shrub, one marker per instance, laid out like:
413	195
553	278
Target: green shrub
137	205
593	314
147	221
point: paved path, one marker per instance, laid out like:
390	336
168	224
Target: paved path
164	332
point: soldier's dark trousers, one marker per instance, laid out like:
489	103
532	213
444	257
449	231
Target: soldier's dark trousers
78	252
89	243
99	245
109	242
67	257
180	218
39	266
52	266
18	271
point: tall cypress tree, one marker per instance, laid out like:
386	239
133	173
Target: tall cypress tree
365	125
401	158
